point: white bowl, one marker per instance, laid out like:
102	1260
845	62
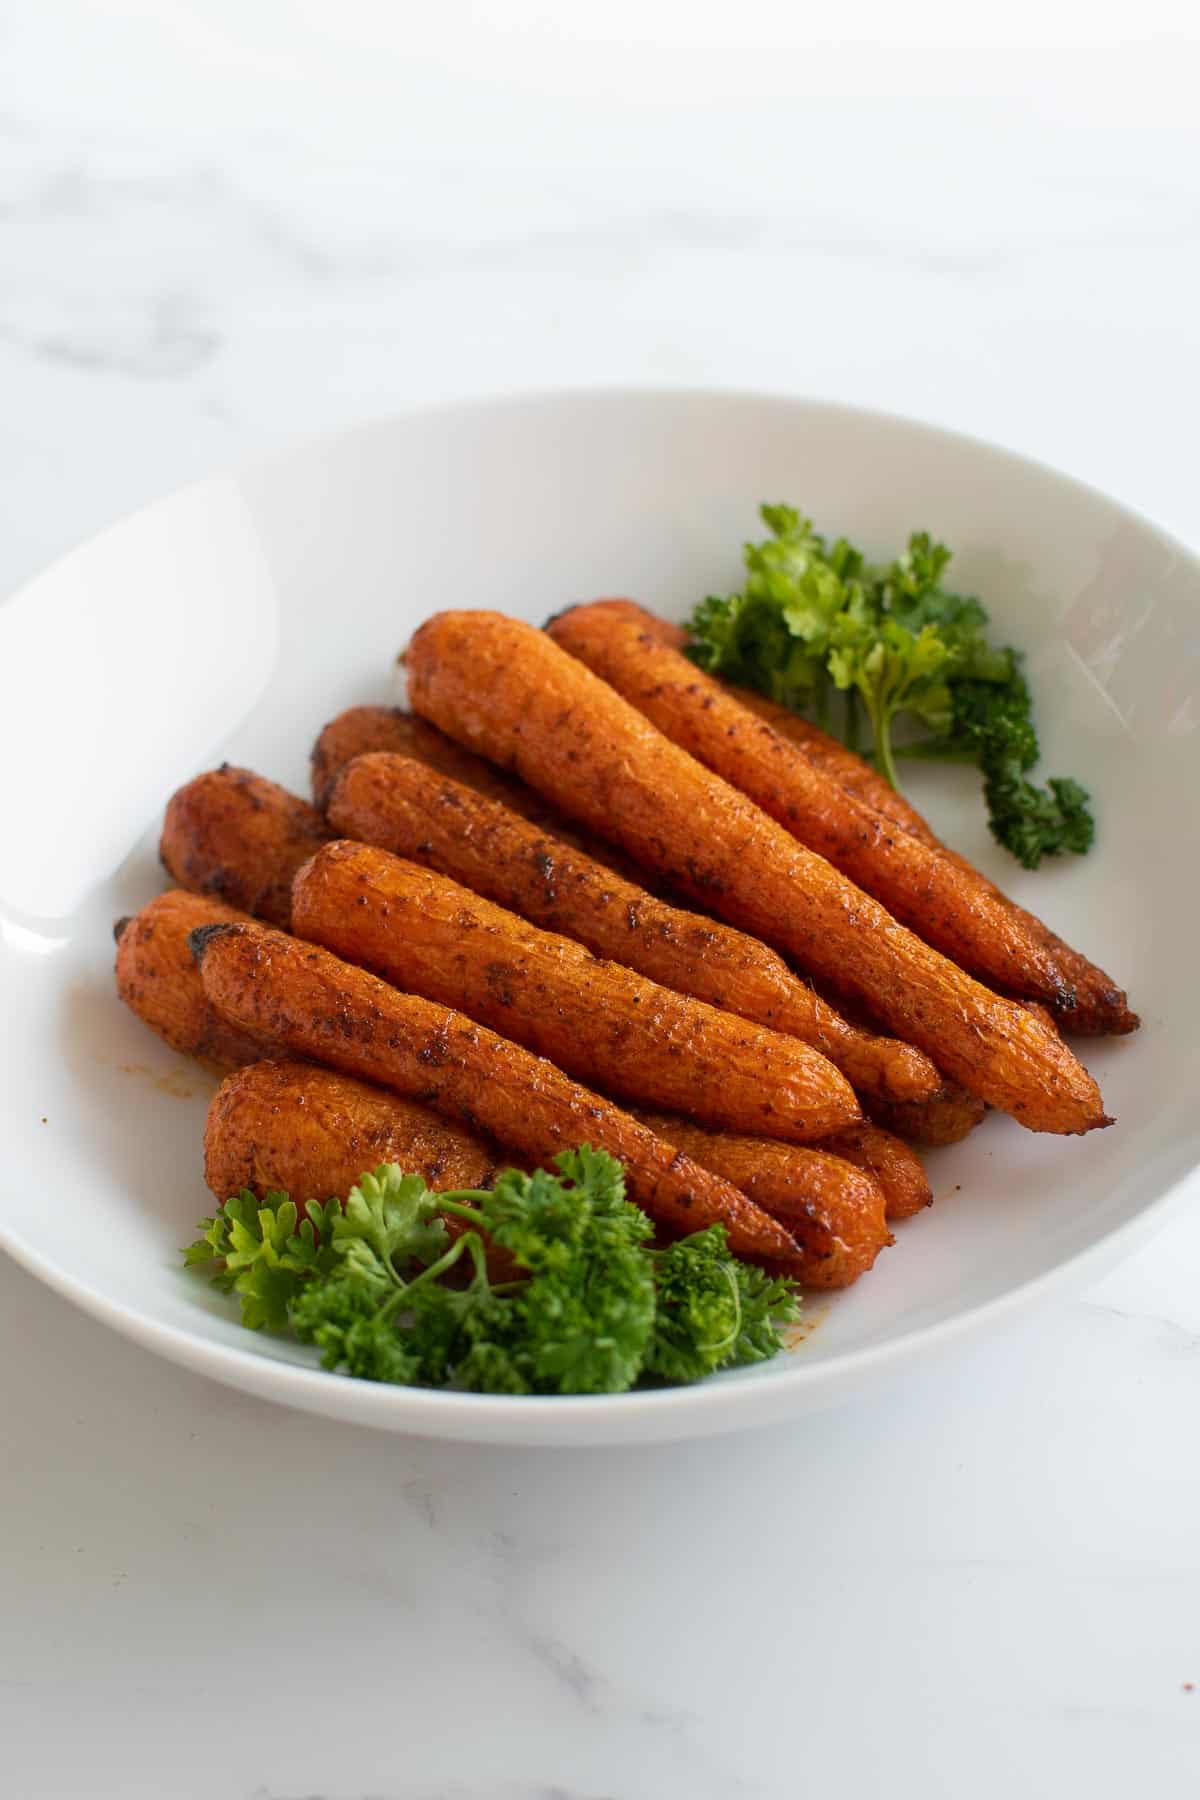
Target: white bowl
236	617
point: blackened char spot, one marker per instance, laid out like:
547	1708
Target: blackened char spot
499	980
436	1052
200	938
543	862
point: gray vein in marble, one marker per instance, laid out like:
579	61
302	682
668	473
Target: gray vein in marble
265	1793
567	1667
1176	1338
640	238
562	1793
593	1693
71	188
168	341
455	1791
420	1497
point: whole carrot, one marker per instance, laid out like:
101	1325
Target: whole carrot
240	838
158	980
317	1006
598	1020
406	807
311	1133
503	688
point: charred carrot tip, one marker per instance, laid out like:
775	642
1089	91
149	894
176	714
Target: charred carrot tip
198	940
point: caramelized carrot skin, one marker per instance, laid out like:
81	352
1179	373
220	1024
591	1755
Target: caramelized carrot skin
240	838
598	1020
835	1211
406	807
898	1169
824	752
364	730
361	730
317	1006
157	979
503	688
311	1133
945	1119
1101	1007
943	901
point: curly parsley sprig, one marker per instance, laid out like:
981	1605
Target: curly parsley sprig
387	1293
815	618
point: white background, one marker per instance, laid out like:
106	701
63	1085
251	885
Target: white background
222	224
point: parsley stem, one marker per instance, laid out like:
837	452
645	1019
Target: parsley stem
721	1349
883	751
456	1207
936	750
444	1262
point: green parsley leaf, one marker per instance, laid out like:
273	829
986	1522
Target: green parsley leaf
378	1287
389	1219
266	1253
714	1311
769	1305
699	1308
813	617
895	670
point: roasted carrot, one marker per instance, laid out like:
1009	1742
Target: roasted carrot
502	687
826	753
277	1124
833	1209
362	729
270	984
598	1020
237	836
406	807
158	980
312	1132
851	772
366	729
896	1168
945	1119
950	907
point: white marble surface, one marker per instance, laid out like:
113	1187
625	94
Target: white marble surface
221	225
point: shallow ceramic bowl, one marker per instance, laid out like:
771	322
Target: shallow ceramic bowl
236	617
